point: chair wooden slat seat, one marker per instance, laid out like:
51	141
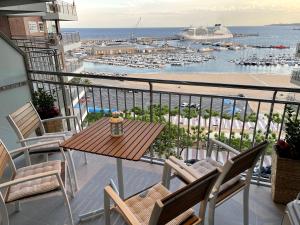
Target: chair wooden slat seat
35	187
142	205
157	205
30	181
54	147
207	165
230	181
26	120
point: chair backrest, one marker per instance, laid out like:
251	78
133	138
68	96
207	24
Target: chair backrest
245	161
5	159
25	121
185	198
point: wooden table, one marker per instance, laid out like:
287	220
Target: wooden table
96	139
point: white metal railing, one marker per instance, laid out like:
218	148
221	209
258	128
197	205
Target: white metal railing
62	7
70	37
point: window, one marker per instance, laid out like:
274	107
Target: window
41	27
33	28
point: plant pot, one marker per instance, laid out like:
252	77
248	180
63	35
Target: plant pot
285	179
53	126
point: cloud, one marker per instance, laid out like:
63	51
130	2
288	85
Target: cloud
154	13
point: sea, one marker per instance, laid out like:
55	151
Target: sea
267	35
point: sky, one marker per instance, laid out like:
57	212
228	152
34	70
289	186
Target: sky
183	13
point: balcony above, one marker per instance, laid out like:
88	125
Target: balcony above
60	10
56	10
68	41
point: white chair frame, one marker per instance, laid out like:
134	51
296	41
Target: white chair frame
46	137
190	175
3	209
111	194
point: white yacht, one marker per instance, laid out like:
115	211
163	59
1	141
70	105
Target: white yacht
216	32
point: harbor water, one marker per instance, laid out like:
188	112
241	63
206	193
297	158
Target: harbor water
267	35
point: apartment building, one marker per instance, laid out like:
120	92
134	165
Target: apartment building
34	30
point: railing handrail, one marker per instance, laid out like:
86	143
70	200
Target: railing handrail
169	92
161	81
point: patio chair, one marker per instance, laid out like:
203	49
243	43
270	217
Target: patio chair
31	181
229	183
26	120
157	205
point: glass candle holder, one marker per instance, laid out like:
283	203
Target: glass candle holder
116	126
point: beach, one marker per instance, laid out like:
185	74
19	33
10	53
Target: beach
225	78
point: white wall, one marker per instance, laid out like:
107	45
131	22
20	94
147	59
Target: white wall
12	70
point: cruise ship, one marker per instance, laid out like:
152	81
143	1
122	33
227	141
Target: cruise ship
216	32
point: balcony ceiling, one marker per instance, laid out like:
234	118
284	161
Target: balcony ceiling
16	12
19	2
33	9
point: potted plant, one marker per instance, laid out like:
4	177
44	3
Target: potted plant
286	162
44	104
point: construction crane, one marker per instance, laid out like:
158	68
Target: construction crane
135	27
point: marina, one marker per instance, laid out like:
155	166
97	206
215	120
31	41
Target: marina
269	60
153	60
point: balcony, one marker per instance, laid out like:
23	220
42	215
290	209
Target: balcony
295	78
70	40
55	10
60	10
298	50
191	118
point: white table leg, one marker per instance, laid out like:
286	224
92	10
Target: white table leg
71	163
120	177
99	212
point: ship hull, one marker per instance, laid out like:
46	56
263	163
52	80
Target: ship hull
205	37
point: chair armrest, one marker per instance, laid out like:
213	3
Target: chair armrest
29	147
22	149
64	118
181	172
29	178
47	137
182	165
129	216
227	147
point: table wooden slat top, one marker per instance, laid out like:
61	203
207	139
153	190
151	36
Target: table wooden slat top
138	137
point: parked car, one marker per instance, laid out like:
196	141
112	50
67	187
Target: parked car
184	104
193	105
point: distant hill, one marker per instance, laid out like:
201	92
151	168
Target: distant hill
285	24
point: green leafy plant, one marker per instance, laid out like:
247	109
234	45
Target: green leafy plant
44	104
290	147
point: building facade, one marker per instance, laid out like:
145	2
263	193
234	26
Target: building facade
34	29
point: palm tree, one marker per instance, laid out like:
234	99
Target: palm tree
205	116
